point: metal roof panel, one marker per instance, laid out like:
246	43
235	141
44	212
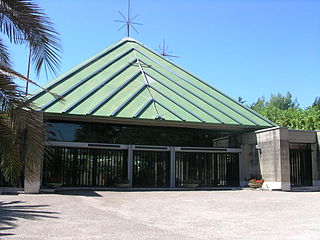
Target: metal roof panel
128	80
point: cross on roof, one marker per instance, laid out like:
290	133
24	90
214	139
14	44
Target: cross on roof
128	20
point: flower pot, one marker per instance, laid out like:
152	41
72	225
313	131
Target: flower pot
54	185
122	185
191	185
255	185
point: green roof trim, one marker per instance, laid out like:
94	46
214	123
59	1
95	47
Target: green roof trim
130	81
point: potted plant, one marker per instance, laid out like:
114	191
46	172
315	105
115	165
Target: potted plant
255	183
122	183
54	182
192	183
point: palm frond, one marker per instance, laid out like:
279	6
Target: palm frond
11	167
23	20
8	72
21	128
8	88
11	163
21	143
4	54
34	138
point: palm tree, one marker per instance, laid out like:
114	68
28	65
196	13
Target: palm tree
21	129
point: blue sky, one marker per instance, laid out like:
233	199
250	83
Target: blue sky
247	48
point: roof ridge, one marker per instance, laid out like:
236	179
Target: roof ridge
128	39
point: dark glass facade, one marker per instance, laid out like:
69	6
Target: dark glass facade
135	134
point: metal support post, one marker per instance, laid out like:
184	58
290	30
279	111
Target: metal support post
130	164
172	167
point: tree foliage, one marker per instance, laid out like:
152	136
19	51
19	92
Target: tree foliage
21	128
285	111
278	101
282	102
316	103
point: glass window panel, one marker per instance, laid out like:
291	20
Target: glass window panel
138	135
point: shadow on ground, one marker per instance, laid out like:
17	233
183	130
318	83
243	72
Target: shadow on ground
85	193
93	192
11	211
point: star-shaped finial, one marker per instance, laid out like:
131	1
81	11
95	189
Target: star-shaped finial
128	21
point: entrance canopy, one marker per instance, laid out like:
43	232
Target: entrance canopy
129	81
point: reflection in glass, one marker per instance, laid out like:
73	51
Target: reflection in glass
139	135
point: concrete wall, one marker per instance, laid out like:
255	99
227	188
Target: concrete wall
249	159
32	181
266	153
274	157
302	136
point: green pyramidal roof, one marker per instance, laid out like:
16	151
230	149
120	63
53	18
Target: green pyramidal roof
128	80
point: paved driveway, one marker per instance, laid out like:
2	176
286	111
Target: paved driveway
161	215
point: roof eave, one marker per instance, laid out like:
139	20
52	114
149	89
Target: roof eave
150	122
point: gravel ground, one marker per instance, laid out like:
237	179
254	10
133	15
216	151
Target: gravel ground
161	215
